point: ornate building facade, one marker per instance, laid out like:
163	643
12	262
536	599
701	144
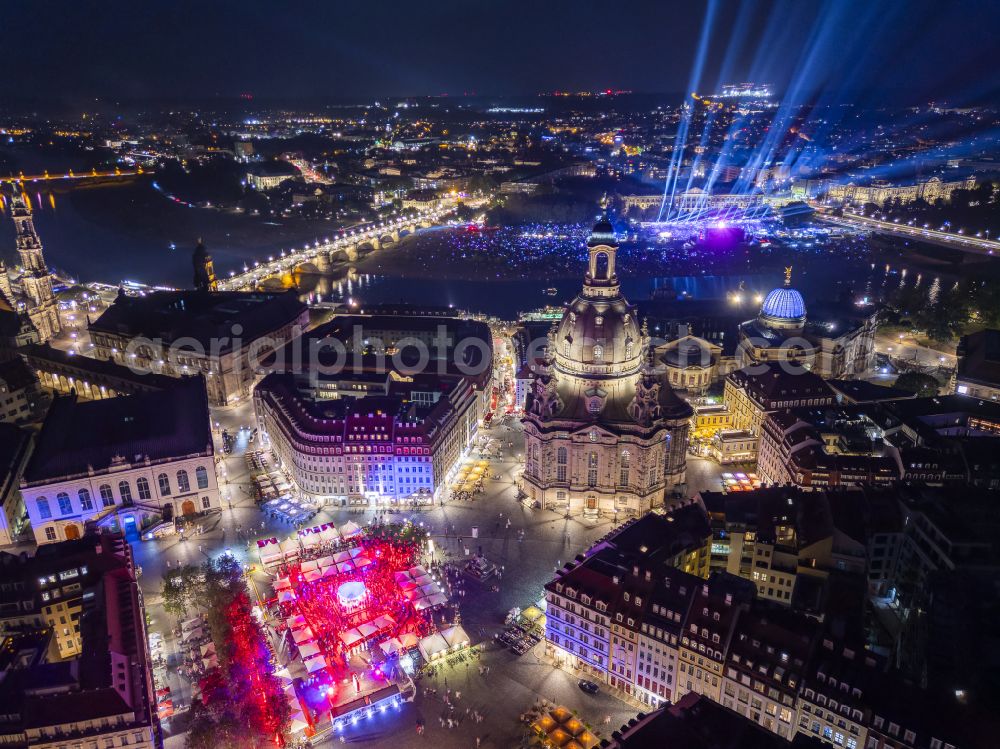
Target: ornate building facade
838	344
604	431
36	282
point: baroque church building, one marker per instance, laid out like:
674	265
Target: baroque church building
39	301
604	432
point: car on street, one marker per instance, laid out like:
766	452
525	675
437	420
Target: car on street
588	686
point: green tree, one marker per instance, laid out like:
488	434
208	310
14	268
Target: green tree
917	382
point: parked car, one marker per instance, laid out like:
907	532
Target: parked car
588	686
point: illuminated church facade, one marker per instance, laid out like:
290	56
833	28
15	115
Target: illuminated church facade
604	431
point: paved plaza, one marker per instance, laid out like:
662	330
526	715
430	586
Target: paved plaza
527	544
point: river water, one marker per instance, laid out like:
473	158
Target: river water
132	232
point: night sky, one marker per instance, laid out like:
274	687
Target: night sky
918	49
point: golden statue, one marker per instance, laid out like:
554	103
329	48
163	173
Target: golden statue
788	276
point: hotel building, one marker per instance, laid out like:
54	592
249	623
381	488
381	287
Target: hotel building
624	614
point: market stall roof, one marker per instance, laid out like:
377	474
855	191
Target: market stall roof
342	556
324	561
367	629
309	650
383	622
432	646
282	583
303	635
438	599
315	664
456	637
391	646
192	634
350	529
351	637
295	622
312	576
310	565
284	596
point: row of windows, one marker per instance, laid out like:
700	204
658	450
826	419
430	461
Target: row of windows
124	491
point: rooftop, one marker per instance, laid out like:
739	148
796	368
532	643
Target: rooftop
79	437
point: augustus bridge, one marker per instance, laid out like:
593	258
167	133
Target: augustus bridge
348	245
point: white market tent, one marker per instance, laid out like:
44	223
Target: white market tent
312	576
329	534
351	637
456	637
295	622
383	622
303	635
285	596
391	646
433	646
438	599
192	634
324	561
282	583
350	529
289	548
298	723
312	564
309	650
315	664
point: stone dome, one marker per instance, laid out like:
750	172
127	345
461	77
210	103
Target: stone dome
598	337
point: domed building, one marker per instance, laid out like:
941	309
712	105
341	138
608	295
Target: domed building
836	344
604	431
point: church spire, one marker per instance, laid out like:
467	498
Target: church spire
204	269
602	247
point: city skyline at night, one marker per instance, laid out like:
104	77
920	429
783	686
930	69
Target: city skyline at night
567	375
